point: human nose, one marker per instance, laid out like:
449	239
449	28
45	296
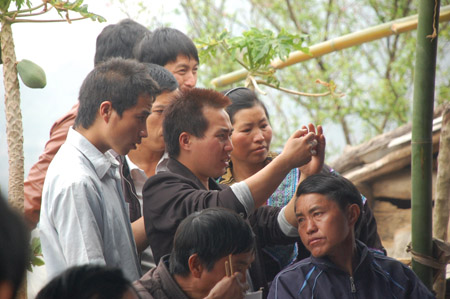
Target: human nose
143	132
259	136
191	80
310	226
229	145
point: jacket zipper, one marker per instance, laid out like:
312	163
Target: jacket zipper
352	285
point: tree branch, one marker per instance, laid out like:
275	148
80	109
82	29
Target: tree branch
43	21
33	14
299	93
292	16
25	10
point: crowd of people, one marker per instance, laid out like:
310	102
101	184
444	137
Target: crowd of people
152	188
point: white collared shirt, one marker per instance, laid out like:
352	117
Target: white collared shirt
84	218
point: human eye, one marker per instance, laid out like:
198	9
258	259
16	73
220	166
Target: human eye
182	71
317	214
246	129
143	117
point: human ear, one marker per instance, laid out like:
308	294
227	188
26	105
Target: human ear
353	213
195	266
105	110
185	140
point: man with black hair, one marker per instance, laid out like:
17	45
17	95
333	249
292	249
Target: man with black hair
327	209
14	251
141	163
117	40
89	282
173	50
84	218
196	268
197	133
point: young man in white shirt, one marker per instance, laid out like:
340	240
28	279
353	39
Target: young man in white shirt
84	218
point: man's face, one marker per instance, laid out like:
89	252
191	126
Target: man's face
155	140
323	227
211	154
240	262
127	131
184	69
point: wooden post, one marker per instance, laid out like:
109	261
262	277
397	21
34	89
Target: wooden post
442	195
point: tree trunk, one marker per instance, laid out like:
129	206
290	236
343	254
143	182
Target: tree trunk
442	199
14	131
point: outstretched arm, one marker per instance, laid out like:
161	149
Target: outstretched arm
295	154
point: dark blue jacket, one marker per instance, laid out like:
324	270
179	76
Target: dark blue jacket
376	276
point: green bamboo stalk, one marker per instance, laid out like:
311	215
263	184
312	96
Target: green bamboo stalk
421	142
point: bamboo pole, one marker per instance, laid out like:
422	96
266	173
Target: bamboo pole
442	195
421	143
339	43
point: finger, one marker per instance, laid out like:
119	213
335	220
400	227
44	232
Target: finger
299	133
311	128
309	137
313	143
239	279
319	130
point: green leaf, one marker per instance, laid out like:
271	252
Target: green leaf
78	7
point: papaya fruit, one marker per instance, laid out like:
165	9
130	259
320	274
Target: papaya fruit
32	75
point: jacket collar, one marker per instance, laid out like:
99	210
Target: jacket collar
364	261
101	162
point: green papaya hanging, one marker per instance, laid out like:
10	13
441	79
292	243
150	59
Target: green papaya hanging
32	75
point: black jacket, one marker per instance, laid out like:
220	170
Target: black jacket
375	276
172	195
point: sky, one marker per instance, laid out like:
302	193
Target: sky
66	53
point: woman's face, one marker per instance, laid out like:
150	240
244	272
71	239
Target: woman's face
251	136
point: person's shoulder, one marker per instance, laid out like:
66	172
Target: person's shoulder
297	270
166	176
69	162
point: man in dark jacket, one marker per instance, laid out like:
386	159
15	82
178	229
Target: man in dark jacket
197	133
327	209
206	245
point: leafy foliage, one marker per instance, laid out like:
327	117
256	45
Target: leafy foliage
35	254
254	49
76	6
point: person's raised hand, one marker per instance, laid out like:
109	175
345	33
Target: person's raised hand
317	149
297	150
229	287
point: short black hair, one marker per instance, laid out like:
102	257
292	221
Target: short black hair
212	234
14	246
185	114
120	81
165	79
335	187
242	98
163	45
118	40
87	282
